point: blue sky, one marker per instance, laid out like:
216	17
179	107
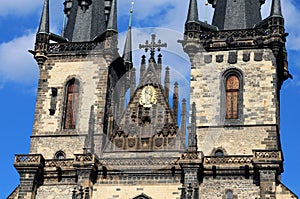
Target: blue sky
19	73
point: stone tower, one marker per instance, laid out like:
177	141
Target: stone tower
100	132
238	65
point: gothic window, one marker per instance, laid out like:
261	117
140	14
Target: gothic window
71	104
232	93
232	96
60	155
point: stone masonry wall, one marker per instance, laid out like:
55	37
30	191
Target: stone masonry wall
236	140
92	74
215	188
55	192
48	146
259	89
167	191
259	102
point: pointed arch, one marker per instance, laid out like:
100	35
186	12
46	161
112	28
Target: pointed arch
231	107
232	93
71	105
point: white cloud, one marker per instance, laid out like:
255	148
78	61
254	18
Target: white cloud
17	64
19	7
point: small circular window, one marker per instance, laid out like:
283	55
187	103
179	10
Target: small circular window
60	155
219	153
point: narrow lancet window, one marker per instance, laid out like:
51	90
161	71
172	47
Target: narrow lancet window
71	105
232	95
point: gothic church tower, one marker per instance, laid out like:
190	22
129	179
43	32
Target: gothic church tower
89	142
238	65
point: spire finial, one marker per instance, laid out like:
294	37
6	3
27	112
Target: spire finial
206	12
193	12
131	12
152	46
276	8
44	23
127	53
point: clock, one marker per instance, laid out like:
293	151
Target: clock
148	96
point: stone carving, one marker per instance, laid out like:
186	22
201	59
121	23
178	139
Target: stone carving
219	58
232	57
228	160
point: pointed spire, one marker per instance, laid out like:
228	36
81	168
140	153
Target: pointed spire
183	122
143	67
44	23
112	21
167	83
193	12
276	8
89	140
175	101
86	23
192	133
132	81
127	53
159	67
246	14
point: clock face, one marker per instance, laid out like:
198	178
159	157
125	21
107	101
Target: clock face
148	96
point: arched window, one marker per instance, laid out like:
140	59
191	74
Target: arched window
229	195
60	155
219	153
71	104
231	106
232	95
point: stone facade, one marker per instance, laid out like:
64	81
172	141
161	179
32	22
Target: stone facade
137	150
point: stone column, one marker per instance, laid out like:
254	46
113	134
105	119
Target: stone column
30	168
267	184
86	168
190	163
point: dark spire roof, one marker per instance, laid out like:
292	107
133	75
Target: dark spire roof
241	14
44	23
127	53
276	8
193	12
112	21
86	23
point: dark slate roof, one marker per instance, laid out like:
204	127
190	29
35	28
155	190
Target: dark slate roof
193	12
85	26
112	21
239	14
276	8
127	54
44	23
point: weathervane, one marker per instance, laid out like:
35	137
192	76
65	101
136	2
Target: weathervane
153	45
131	11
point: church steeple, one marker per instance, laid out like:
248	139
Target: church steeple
112	24
242	14
193	12
127	53
86	21
276	9
44	23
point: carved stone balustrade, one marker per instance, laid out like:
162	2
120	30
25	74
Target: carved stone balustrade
59	163
228	160
30	160
85	160
55	48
